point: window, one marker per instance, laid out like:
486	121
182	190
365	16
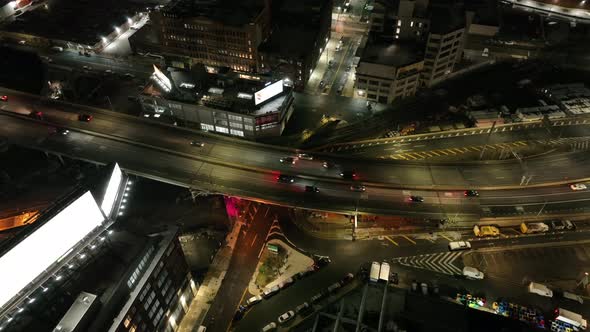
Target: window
371	96
361	80
237	132
248	127
207	127
373	82
397	30
127	321
221	129
411	23
235	125
399	23
235	117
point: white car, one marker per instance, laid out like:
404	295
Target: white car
286	316
254	299
578	186
459	245
269	327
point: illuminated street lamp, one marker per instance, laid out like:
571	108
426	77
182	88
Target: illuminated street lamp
104	39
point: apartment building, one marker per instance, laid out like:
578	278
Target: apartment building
219	33
444	46
387	72
400	20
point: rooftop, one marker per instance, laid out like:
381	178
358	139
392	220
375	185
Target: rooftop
301	39
400	54
230	12
82	22
227	90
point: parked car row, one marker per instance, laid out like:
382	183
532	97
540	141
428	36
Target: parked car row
306	307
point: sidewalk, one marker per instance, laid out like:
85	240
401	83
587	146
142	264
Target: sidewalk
332	226
211	283
296	262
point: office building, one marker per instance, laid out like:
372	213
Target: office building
444	46
225	102
220	33
387	72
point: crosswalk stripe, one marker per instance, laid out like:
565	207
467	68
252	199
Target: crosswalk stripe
440	262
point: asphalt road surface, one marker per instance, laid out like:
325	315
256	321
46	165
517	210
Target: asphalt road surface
348	256
229	166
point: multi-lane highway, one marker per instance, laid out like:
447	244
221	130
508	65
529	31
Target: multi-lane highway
248	169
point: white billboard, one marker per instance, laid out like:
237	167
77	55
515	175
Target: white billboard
110	195
38	251
268	92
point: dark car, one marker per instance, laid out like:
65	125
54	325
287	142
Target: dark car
312	189
349	175
84	117
471	193
197	144
287	160
322	83
417	199
321	261
62	131
37	115
3	98
328	164
285	179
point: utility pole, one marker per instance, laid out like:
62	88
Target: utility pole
487	140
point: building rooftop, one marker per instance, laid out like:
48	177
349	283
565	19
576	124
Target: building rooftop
82	22
230	12
226	90
399	54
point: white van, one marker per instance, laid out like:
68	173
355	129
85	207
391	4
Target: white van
540	289
472	273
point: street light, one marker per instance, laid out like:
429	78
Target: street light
129	20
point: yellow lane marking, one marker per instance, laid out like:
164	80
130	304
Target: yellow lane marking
391	240
407	238
446	237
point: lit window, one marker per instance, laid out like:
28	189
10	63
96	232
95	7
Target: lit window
127	321
399	23
412	23
419	24
207	127
397	30
396	37
221	129
237	132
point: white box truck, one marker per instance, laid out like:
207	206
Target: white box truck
374	274
571	318
540	289
384	273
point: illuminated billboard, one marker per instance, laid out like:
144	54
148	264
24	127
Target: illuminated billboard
38	251
162	80
110	195
268	92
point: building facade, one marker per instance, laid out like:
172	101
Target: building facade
161	288
442	52
222	34
392	73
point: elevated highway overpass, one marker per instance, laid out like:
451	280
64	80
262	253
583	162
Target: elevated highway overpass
247	169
